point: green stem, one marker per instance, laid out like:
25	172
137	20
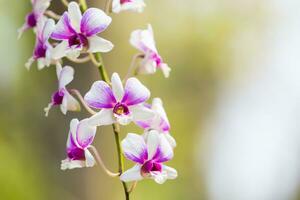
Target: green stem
116	130
83	5
116	127
101	68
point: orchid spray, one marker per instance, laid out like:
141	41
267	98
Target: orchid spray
74	36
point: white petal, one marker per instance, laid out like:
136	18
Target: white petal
64	106
58	69
123	119
47	109
132	174
170	139
72	103
103	117
85	133
117	86
147	66
171	172
41	63
60	50
73	52
66	75
141	113
75	15
159	177
73	129
135	148
71	164
89	159
165	69
40	6
153	142
29	63
48	29
98	44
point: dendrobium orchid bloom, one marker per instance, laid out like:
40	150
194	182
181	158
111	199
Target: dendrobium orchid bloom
118	104
81	136
143	40
78	32
149	157
133	5
62	97
159	122
31	20
42	48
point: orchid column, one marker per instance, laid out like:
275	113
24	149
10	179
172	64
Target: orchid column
75	37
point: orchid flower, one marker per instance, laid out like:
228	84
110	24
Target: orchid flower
149	157
62	97
159	122
118	104
143	40
78	32
31	20
81	136
42	48
133	5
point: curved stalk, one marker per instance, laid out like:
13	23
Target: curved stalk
80	60
53	15
108	6
65	2
80	98
132	65
101	163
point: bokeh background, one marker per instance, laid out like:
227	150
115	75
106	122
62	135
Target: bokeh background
233	100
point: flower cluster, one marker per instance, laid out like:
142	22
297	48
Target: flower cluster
75	36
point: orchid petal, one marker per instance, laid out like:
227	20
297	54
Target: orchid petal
40	6
141	113
135	148
66	75
63	29
85	133
132	174
103	117
98	44
71	103
60	50
170	139
124	119
89	159
135	92
159	148
117	86
165	69
75	15
171	172
94	21
100	96
72	164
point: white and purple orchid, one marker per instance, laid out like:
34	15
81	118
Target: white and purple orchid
78	32
144	41
118	104
62	96
81	136
42	49
149	157
132	5
31	20
159	122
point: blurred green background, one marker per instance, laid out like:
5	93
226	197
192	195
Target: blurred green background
193	37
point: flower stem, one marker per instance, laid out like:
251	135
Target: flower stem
116	128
